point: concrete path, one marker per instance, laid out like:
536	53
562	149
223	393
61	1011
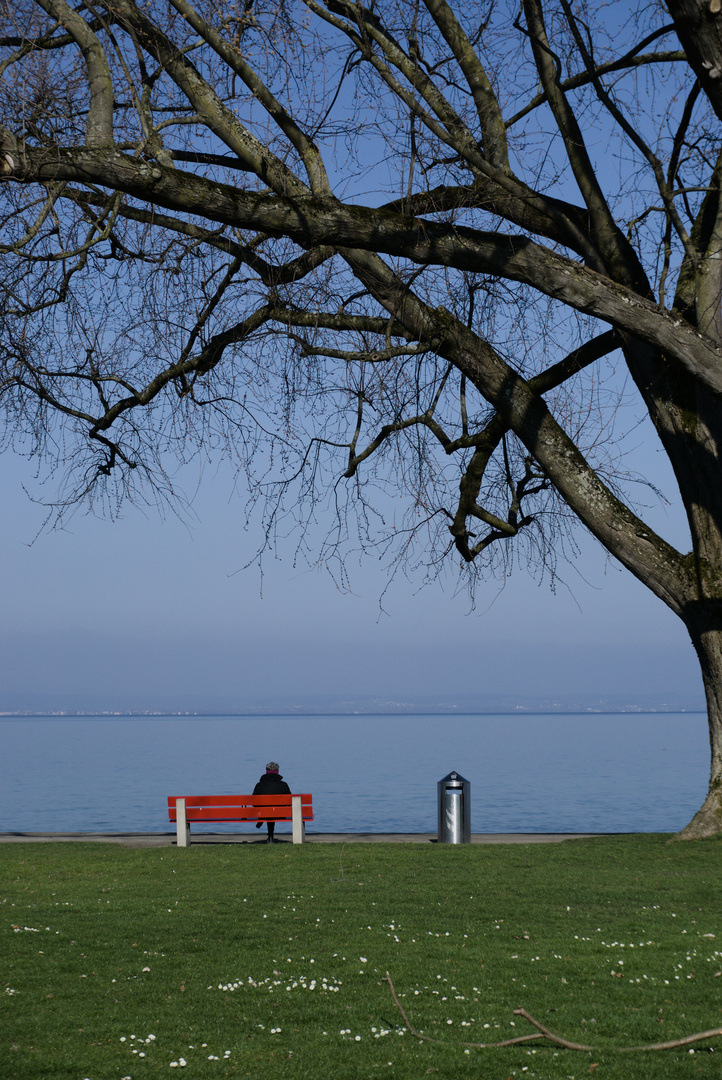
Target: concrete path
168	839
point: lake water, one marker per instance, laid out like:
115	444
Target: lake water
532	773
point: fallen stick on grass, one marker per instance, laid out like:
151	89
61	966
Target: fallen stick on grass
673	1044
443	1042
545	1033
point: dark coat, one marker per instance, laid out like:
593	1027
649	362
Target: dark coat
271	784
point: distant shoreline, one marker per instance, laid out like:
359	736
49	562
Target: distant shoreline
305	712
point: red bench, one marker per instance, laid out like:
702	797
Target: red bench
184	809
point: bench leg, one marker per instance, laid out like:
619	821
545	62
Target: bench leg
183	832
299	827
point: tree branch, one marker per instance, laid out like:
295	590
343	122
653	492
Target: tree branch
256	157
319	222
99	130
487	107
615	257
550	1036
583	78
302	143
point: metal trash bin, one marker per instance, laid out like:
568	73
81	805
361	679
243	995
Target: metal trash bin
454	806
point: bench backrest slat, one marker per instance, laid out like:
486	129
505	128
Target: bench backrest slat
239	800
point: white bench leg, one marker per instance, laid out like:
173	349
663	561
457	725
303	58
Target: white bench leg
182	828
299	826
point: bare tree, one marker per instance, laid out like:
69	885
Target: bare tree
371	247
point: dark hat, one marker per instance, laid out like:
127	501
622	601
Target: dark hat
272	766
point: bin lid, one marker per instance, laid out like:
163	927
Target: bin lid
453	778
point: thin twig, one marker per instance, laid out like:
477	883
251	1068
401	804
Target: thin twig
557	1039
544	1032
441	1042
712	1034
673	1044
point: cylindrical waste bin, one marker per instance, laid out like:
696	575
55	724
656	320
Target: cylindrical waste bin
454	806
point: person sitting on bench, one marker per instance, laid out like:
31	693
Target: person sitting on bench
271	783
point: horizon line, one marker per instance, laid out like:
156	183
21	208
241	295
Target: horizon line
518	711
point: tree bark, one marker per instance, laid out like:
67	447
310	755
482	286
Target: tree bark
704	622
698	24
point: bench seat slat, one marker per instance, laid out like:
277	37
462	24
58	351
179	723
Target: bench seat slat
241	813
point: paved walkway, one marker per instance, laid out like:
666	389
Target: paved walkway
168	839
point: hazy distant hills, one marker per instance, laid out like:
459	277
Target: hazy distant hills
307	704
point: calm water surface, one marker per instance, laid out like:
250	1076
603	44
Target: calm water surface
533	773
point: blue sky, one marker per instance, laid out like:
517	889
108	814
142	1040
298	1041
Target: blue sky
151	613
148	613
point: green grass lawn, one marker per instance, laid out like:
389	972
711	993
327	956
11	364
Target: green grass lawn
260	961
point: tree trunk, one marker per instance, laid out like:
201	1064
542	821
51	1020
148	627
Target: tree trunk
704	623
